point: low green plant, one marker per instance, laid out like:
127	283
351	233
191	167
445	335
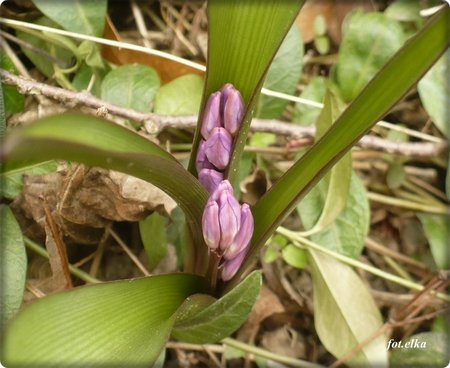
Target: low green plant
128	322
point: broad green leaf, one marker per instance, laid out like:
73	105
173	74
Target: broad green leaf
404	11
221	318
395	175
12	181
133	86
176	233
81	16
13	100
434	92
315	91
61	56
2	117
337	182
154	238
124	323
14	265
83	77
283	75
181	96
89	52
96	142
345	313
370	39
262	139
294	256
426	349
385	89
346	235
437	231
243	38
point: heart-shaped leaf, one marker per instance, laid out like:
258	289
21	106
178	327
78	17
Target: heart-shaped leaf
123	323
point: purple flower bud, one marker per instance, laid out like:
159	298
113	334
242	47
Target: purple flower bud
210	179
232	266
211	115
229	218
242	238
218	148
225	91
221	221
210	224
233	111
202	161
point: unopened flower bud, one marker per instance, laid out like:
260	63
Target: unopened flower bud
202	161
210	179
211	115
210	225
233	111
218	148
232	266
225	92
242	238
221	218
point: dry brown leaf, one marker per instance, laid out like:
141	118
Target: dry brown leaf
166	69
284	341
254	186
334	12
85	200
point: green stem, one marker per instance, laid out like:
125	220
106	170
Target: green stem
376	197
301	242
269	355
73	270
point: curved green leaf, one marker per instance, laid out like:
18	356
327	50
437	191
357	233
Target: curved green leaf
386	88
243	37
96	142
124	323
342	303
82	16
133	86
14	265
221	318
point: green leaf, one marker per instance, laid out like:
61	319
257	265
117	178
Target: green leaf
181	96
369	41
315	91
404	11
12	181
61	56
283	75
384	90
426	349
434	92
437	231
346	235
294	256
132	86
337	182
14	266
124	323
154	238
2	117
221	318
243	39
342	303
83	77
395	175
13	100
81	16
96	142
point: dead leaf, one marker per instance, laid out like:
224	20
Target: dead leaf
284	341
334	12
254	186
166	69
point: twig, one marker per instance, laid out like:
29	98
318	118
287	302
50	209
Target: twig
154	123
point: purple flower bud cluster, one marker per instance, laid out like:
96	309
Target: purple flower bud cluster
221	120
227	226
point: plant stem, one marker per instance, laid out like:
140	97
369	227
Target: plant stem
301	242
376	197
73	270
269	355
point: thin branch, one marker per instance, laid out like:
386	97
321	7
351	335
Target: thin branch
154	123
